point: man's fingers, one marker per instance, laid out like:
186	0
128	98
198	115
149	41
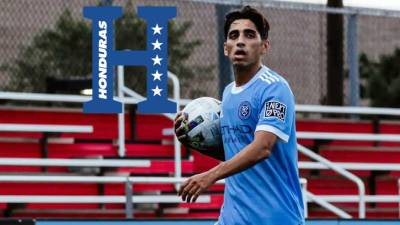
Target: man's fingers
192	192
178	115
178	121
196	195
186	190
182	129
182	138
184	184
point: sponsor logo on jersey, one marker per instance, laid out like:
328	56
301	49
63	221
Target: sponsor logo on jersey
275	109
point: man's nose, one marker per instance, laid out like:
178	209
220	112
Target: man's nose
240	42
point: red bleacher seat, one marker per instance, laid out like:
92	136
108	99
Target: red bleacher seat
215	203
191	215
119	189
152	151
19	150
116	215
337	125
202	163
389	127
105	126
370	214
387	186
81	150
65	214
365	156
73	189
334	125
149	127
333	186
63	206
3	206
48	189
361	155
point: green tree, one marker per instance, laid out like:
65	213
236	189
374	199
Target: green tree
383	79
64	52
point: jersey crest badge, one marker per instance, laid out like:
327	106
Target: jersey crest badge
244	110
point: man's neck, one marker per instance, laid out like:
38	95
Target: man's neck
244	74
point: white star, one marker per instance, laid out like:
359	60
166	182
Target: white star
157	91
157	45
157	75
157	29
156	60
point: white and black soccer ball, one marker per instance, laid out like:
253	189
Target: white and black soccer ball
203	123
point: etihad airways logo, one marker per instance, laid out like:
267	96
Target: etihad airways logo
104	58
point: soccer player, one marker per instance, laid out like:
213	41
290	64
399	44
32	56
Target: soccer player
258	131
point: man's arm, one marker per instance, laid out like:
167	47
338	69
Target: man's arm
253	153
217	153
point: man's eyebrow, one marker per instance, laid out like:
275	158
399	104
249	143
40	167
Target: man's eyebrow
249	30
232	31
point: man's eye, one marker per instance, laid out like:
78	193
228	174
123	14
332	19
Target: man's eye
250	35
233	36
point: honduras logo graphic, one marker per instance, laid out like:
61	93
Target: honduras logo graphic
104	58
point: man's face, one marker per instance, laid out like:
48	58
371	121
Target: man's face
244	45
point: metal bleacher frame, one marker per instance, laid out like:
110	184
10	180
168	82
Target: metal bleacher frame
322	163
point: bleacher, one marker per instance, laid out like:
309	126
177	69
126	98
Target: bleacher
145	140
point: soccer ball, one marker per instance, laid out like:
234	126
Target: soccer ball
203	126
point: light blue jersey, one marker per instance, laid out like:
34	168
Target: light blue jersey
269	192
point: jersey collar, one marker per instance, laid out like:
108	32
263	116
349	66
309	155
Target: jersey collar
236	90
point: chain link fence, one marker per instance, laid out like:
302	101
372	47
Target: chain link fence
31	39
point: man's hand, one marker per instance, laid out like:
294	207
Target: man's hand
180	127
195	185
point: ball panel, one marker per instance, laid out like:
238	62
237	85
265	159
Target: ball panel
203	123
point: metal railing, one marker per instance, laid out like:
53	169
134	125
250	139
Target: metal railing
122	89
75	162
128	199
343	172
45	128
352	166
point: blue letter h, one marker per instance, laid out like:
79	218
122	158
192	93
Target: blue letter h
104	58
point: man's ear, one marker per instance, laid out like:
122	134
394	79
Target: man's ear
266	45
225	49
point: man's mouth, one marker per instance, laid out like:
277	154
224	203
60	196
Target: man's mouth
240	52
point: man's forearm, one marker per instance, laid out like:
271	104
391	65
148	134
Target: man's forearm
251	155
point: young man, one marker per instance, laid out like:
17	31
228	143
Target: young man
259	134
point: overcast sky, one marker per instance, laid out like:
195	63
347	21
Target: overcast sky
377	4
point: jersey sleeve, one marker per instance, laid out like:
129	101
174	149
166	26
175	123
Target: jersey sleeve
277	111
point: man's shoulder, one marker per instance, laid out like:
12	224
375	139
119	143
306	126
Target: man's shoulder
269	77
228	88
270	82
